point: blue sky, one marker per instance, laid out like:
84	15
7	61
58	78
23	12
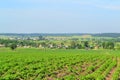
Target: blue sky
59	16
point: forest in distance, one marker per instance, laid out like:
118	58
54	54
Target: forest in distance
63	34
61	41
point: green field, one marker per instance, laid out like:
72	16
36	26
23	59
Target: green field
47	64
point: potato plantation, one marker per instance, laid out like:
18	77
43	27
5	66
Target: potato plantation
48	64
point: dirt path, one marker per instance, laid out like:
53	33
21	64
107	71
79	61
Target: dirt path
109	76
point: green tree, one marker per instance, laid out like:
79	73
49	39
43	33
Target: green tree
111	45
13	46
104	45
78	46
118	46
108	45
86	45
41	37
72	44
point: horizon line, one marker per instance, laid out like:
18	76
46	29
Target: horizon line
65	33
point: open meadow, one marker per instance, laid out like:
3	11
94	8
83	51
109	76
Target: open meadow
59	64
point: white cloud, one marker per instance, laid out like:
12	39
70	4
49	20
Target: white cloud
101	4
111	7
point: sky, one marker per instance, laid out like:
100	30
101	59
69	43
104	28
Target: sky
59	16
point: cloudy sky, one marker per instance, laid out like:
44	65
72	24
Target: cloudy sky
59	16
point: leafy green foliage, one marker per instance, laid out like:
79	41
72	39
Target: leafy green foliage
31	64
13	46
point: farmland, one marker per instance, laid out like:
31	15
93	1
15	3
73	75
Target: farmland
60	40
59	64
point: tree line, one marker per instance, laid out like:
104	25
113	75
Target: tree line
73	44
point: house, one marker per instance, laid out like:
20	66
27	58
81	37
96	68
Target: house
1	45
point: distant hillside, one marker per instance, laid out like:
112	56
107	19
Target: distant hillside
114	35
